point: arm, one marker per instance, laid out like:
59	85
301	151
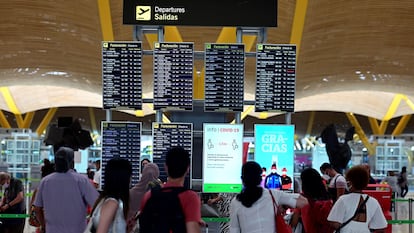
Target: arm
19	198
234	220
301	201
40	217
340	192
108	211
193	227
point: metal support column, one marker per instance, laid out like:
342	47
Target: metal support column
138	34
261	37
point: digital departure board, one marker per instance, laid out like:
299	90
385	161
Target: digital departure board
121	74
121	140
173	76
275	78
166	136
224	77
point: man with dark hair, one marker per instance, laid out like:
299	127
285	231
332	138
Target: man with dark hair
337	183
62	197
177	165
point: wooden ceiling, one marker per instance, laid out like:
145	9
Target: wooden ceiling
355	56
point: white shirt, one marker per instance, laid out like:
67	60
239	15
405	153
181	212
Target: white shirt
260	217
97	178
345	207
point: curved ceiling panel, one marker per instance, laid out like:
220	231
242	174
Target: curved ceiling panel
354	56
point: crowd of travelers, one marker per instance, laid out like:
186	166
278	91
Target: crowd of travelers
69	202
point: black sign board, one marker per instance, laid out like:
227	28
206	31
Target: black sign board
166	136
247	13
173	76
275	78
224	77
121	140
121	74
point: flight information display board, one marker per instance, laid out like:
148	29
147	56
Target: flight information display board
224	77
121	140
166	136
275	78
121	75
173	76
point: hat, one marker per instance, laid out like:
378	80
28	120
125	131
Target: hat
64	157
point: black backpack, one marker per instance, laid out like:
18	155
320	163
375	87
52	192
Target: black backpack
162	212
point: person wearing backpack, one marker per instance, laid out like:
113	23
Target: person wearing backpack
357	212
337	183
314	216
172	208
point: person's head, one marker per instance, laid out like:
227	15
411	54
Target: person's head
4	178
357	178
251	177
327	169
150	175
251	174
177	162
144	162
312	184
284	171
273	168
117	179
98	164
64	159
47	168
404	169
390	173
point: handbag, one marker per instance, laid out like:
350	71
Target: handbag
281	225
209	211
32	218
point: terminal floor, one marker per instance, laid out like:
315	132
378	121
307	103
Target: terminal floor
401	214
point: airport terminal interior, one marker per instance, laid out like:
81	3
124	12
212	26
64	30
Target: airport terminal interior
353	67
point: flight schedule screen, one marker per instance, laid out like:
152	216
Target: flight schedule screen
166	136
275	78
121	140
121	74
224	77
173	76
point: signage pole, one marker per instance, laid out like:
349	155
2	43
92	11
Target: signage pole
158	113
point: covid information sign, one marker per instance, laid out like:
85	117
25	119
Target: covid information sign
274	151
222	157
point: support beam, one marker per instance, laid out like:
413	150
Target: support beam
402	124
361	133
244	113
298	24
3	121
46	120
172	34
374	125
28	118
9	100
310	123
92	119
106	20
19	120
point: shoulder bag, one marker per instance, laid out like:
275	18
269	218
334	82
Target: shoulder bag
355	214
281	225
